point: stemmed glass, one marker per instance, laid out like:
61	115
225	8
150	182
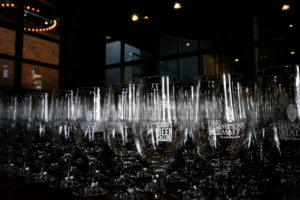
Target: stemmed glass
160	128
221	119
120	135
62	117
91	107
280	114
40	137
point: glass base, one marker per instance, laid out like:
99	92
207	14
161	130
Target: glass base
40	177
127	195
67	182
93	189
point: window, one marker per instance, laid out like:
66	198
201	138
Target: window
112	76
113	53
40	78
184	68
6	72
40	50
132	53
134	73
167	45
186	45
7	41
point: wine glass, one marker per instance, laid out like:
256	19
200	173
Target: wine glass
221	120
90	107
280	114
120	136
62	117
40	136
160	126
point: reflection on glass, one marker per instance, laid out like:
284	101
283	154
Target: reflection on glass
39	78
112	76
7	41
133	53
186	45
108	37
134	73
8	14
40	50
6	72
113	53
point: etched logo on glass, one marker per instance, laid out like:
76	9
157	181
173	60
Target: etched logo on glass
291	112
163	132
225	130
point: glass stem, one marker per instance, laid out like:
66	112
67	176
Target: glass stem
159	181
92	170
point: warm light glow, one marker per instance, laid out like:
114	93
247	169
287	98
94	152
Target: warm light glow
187	44
236	60
28	7
43	29
177	5
134	17
46	23
2	4
285	7
32	9
146	17
12	5
291	25
37	10
292	52
7	5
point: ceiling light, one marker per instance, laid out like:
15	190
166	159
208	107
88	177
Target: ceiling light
285	7
236	60
177	6
291	25
187	44
46	22
134	17
292	52
146	17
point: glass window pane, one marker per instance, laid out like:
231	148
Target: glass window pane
40	78
168	45
189	69
7	41
108	37
211	63
113	53
8	14
169	68
7	72
40	50
187	45
134	73
277	54
112	76
132	53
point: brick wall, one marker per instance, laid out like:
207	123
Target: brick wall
7	41
37	77
40	50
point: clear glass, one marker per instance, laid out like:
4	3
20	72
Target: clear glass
160	128
220	123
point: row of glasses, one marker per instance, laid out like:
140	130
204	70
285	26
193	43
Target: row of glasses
153	120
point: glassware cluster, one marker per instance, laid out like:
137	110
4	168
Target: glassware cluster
220	138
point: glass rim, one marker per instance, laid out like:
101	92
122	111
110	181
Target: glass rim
177	79
271	71
237	76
